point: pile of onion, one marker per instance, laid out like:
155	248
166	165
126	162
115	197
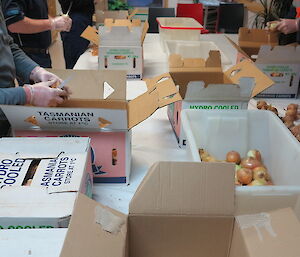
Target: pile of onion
251	171
248	171
292	114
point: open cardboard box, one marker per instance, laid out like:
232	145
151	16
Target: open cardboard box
250	40
87	114
279	63
37	172
203	85
180	209
101	15
121	46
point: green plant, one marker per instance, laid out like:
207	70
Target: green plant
272	10
115	5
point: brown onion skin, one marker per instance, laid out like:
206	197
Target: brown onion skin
244	176
250	163
233	156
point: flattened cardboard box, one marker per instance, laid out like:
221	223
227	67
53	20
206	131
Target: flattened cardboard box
121	46
37	172
186	209
203	85
279	63
87	113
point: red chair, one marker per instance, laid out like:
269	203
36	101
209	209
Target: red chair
191	11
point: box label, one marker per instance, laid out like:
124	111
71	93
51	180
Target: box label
59	172
13	171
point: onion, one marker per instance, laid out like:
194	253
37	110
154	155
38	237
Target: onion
292	106
273	109
295	130
258	182
250	163
291	112
244	176
260	104
233	156
289	124
254	154
260	173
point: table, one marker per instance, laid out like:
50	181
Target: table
153	140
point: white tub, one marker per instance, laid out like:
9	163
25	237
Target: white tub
219	132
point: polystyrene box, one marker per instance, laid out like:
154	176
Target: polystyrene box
178	29
219	132
194	49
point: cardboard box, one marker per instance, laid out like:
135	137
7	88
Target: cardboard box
107	121
180	209
121	46
41	172
279	63
101	15
250	40
203	85
219	132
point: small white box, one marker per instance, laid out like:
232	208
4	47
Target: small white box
194	49
219	132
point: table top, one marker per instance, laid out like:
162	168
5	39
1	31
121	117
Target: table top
153	140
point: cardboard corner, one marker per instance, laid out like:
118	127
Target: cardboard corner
91	34
274	233
186	188
86	236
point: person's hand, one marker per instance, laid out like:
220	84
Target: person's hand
288	26
272	25
41	94
61	23
39	74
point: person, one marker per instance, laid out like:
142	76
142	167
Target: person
14	63
81	13
291	23
30	26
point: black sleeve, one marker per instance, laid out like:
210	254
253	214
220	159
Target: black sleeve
13	10
292	13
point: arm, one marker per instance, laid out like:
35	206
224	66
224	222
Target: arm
14	95
30	26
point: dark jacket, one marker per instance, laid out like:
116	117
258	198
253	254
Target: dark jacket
79	6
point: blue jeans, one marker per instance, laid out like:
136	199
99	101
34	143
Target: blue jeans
73	44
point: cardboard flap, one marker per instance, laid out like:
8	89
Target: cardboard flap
91	34
278	54
144	32
102	15
213	61
94	229
90	84
240	50
161	92
196	91
256	37
246	69
275	234
186	188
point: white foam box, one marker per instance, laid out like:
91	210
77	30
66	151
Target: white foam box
219	132
62	170
203	85
194	49
178	28
121	46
